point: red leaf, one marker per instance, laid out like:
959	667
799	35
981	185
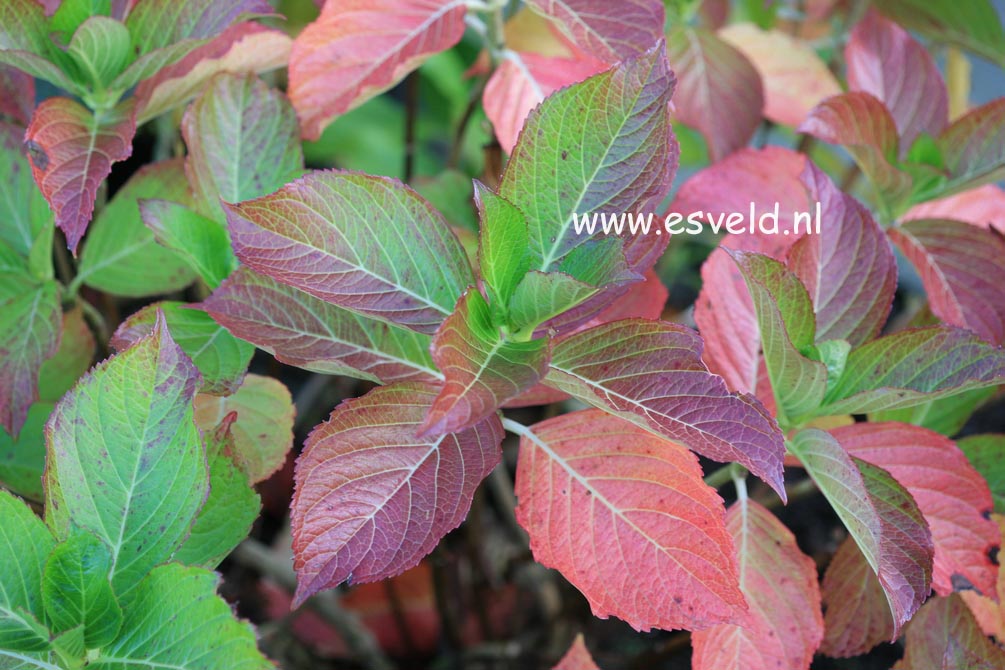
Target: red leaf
780	583
848	269
625	516
972	147
609	31
963	270
71	153
650	373
372	499
17	94
482	370
983	206
718	90
522	81
945	635
857	613
577	658
358	48
863	125
643	300
884	60
949	491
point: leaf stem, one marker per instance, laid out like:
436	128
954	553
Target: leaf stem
720	477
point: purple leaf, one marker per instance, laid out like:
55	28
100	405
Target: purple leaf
973	147
609	31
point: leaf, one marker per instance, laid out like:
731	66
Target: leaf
481	368
944	634
243	142
503	253
787	326
369	244
962	270
120	445
522	81
100	49
882	517
204	244
155	24
719	91
121	255
72	151
650	373
972	148
950	494
944	415
221	358
29	334
231	508
73	358
625	517
22	459
542	296
780	584
174	619
263	432
987	609
912	367
25	44
602	145
856	613
17	95
609	32
863	125
24	544
76	590
22	209
794	77
975	26
70	14
577	657
299	329
849	269
243	47
360	478
885	61
983	206
358	49
984	453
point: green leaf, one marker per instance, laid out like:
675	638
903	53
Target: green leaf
913	367
73	13
200	241
973	25
25	43
23	210
24	544
22	460
541	296
155	24
121	255
73	358
243	142
175	620
504	246
100	49
76	591
985	453
231	508
221	358
945	415
125	460
788	327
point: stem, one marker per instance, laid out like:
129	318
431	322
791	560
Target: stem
95	317
739	475
411	115
720	477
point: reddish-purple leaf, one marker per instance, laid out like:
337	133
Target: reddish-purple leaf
857	616
884	60
577	658
983	206
949	492
522	81
609	31
17	94
244	47
358	48
863	125
482	370
972	147
718	90
650	373
155	24
848	269
944	635
299	329
369	244
372	499
71	152
963	270
643	300
780	583
625	516
879	513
